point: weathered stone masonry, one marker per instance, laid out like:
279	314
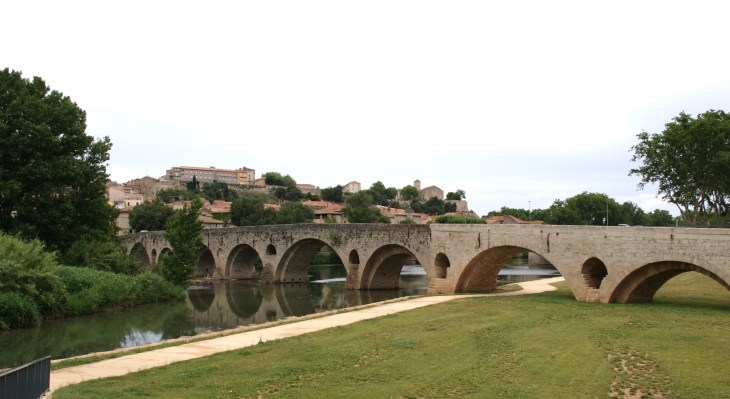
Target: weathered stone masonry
600	264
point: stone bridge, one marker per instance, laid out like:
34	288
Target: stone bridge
600	264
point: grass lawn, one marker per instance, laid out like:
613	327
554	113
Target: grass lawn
539	346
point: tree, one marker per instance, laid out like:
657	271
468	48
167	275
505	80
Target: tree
250	211
193	186
585	209
379	193
434	206
407	221
52	174
690	163
632	214
150	216
333	194
659	218
218	191
359	208
184	235
294	212
276	179
169	195
409	193
458	195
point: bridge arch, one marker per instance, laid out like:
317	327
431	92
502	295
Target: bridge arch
641	284
201	298
441	265
240	262
382	270
480	274
206	262
139	253
354	258
293	266
594	271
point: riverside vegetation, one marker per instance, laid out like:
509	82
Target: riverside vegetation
545	345
33	286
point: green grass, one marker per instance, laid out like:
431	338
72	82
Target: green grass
539	346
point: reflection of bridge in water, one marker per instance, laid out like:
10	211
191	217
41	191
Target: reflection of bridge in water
228	304
600	264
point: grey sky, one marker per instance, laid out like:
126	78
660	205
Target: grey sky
512	101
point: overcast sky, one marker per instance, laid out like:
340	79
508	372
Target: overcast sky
511	101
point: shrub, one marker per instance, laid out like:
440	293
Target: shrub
459	219
18	311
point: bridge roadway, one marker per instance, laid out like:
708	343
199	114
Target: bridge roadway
600	264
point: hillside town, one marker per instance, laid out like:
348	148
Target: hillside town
216	212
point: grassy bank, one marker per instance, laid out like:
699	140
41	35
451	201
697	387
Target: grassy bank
34	287
542	346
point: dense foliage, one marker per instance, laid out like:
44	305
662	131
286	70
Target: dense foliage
53	174
150	216
250	211
294	213
453	219
109	256
33	286
591	209
333	194
409	193
276	179
690	164
458	195
380	194
360	208
184	235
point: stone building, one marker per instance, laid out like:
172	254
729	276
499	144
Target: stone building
351	187
429	192
208	175
245	175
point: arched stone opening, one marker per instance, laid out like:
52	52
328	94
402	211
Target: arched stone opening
270	249
354	258
206	263
294	264
480	274
382	271
593	271
641	284
240	263
138	253
243	300
441	265
154	256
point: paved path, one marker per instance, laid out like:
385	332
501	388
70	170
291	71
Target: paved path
164	356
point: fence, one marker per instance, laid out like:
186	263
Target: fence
31	380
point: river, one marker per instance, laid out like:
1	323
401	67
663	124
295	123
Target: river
217	306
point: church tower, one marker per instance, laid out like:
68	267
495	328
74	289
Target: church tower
417	185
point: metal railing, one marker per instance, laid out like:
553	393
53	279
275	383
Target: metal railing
31	380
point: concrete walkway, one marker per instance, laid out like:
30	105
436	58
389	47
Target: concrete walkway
160	357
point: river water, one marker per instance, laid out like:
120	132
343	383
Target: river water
217	306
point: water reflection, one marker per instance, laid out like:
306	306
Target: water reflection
217	306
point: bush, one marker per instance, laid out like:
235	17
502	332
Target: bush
100	255
18	311
459	220
27	270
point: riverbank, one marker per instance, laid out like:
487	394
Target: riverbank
545	345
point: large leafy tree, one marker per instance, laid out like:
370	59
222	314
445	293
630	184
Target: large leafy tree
456	195
184	235
690	164
585	209
250	211
294	212
333	194
150	216
359	208
409	193
52	174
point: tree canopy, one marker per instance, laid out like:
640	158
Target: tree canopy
458	195
294	212
689	161
184	235
250	211
53	174
276	179
333	194
150	216
360	208
408	193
